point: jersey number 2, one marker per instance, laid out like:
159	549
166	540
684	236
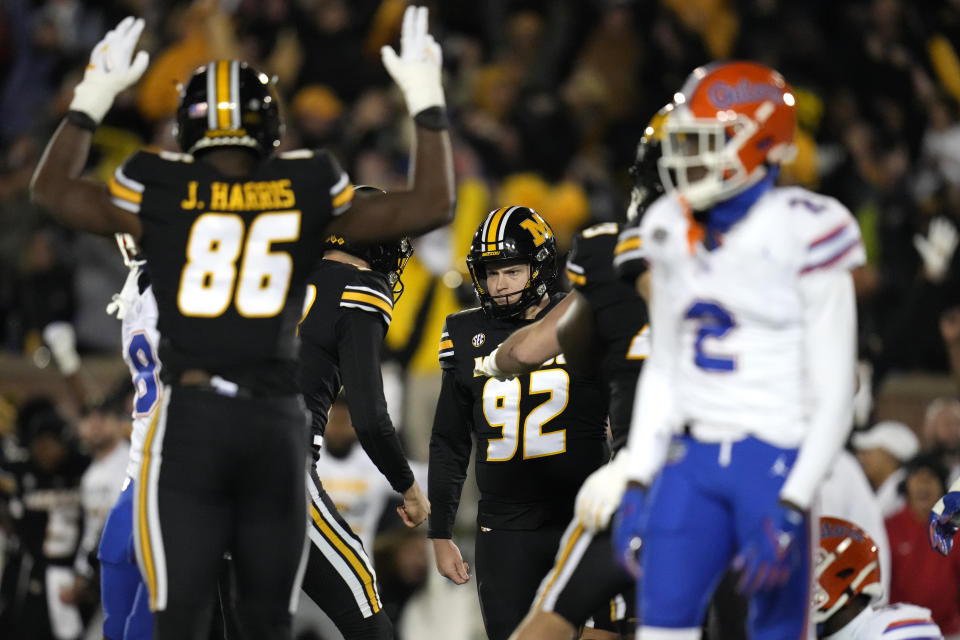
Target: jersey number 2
714	322
501	408
213	250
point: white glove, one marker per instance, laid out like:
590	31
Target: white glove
601	492
417	69
62	340
121	303
488	367
937	248
110	70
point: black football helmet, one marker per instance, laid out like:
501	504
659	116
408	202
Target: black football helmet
645	171
388	258
227	103
513	233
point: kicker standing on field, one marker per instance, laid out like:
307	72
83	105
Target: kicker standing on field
350	299
538	435
230	232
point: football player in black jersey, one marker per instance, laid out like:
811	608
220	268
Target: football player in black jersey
602	323
350	297
231	231
538	435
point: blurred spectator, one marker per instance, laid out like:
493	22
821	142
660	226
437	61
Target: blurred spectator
45	507
881	451
103	432
920	575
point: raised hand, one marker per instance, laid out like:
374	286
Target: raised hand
417	68
112	68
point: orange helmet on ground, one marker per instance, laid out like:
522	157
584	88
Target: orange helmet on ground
847	565
731	121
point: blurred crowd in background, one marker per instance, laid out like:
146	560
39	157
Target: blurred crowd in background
547	100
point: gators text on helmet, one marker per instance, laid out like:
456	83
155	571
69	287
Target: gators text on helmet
731	121
513	233
227	103
847	565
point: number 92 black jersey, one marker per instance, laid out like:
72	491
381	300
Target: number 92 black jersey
620	316
229	256
537	435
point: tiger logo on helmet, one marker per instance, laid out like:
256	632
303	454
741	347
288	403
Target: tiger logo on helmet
730	123
847	565
506	234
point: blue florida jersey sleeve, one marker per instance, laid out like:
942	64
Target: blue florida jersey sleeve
620	318
229	257
538	435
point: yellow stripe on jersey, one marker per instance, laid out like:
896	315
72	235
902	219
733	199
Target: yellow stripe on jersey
117	190
342	198
349	555
576	278
223	94
145	548
558	566
627	245
446	344
494	223
366	298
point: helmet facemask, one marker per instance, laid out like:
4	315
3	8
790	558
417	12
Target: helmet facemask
701	159
524	238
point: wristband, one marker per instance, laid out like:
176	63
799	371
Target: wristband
82	120
433	118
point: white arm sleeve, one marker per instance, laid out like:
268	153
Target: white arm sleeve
652	424
830	346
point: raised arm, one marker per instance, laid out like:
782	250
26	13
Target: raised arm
428	203
56	185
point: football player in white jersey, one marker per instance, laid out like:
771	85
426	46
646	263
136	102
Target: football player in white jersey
124	594
746	396
849	586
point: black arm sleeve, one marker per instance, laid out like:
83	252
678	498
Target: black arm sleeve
450	445
360	336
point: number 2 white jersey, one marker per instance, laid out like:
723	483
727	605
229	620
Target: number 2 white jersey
140	343
891	622
739	366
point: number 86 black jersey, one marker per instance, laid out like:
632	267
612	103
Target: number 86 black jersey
538	435
229	256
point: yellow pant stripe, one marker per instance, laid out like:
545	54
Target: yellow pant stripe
142	511
562	560
349	554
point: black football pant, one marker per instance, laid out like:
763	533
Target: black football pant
340	578
222	474
510	567
586	581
